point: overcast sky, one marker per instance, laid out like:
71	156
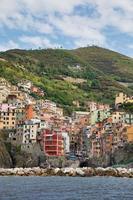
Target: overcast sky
67	23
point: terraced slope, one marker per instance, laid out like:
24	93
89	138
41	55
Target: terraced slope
99	69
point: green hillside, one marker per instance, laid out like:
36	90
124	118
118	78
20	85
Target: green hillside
99	69
117	66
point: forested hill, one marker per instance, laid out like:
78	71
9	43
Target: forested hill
90	73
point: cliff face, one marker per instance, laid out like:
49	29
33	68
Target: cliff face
10	157
5	159
103	161
124	155
23	159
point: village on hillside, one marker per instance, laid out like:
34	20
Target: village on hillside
96	132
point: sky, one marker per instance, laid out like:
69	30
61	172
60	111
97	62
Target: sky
33	24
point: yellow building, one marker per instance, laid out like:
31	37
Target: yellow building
7	118
129	101
120	98
123	98
130	133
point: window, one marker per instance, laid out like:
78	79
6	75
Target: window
49	138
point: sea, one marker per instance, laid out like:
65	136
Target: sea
65	188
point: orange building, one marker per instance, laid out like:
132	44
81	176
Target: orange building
130	133
29	113
37	90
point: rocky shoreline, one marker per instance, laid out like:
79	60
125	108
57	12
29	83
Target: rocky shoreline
82	172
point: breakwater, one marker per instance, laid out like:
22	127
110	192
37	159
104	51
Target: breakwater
82	172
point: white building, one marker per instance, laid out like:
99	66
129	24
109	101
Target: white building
50	106
66	142
25	85
118	117
4	89
79	114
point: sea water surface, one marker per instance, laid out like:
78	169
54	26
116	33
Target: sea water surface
65	188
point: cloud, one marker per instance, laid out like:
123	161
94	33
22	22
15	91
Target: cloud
130	46
36	42
52	6
9	45
115	13
58	18
79	28
118	13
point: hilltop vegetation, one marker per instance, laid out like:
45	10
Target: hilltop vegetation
115	65
100	68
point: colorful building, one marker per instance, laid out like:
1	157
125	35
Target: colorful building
53	143
99	116
130	133
29	113
123	98
7	116
66	142
128	118
118	117
4	90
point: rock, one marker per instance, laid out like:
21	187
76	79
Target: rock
80	172
21	173
110	172
59	172
56	170
124	155
88	171
69	171
50	172
99	171
5	158
123	172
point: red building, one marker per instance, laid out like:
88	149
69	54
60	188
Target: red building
53	143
